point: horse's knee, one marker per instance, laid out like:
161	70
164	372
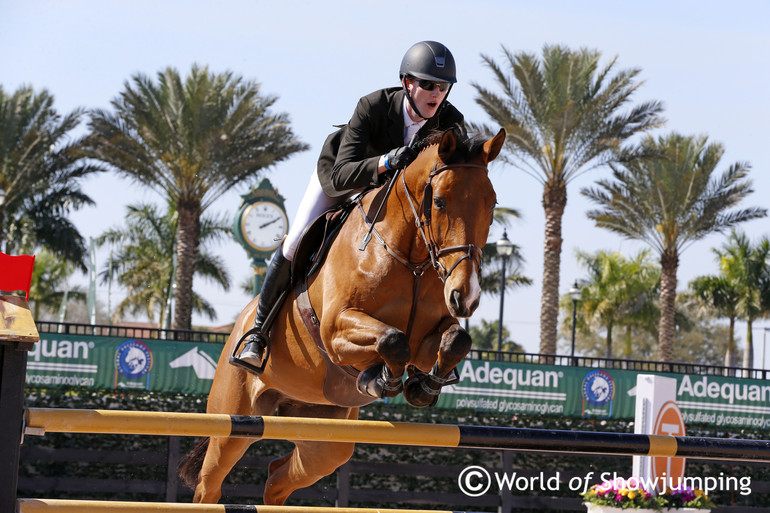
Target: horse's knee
393	348
455	342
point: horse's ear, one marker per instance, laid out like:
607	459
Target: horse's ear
447	145
493	146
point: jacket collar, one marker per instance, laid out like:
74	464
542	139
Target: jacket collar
396	116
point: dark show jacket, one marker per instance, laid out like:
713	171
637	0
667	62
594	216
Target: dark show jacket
350	156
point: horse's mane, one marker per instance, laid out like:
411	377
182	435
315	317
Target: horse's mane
467	146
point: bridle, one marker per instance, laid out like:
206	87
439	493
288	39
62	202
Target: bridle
424	226
422	218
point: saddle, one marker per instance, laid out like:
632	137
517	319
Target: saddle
316	239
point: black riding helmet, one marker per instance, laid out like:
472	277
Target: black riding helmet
428	60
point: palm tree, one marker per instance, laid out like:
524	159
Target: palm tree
49	283
142	260
191	141
491	271
485	338
618	291
699	337
669	201
721	296
746	267
564	115
493	268
40	174
706	341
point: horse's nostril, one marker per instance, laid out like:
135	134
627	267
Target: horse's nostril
456	299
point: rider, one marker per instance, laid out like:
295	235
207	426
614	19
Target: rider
359	154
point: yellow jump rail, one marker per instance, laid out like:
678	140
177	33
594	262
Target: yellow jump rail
38	421
78	506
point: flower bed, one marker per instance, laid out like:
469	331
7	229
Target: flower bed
622	494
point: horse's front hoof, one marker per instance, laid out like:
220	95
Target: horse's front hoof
418	393
377	381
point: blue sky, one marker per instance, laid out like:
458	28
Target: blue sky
708	61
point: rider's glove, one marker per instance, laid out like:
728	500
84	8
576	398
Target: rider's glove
400	157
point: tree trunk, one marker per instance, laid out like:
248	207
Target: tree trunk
748	353
609	340
669	262
187	241
628	341
730	354
554	201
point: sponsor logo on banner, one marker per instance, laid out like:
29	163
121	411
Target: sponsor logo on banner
133	360
598	392
204	366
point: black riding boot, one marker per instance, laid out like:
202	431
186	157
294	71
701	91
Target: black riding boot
277	279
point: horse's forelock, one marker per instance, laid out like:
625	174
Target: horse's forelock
466	148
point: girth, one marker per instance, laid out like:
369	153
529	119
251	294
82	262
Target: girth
340	382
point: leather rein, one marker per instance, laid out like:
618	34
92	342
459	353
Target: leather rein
424	227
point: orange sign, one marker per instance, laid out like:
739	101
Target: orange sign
668	472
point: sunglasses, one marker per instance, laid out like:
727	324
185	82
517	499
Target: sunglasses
429	85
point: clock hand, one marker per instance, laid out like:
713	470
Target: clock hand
269	223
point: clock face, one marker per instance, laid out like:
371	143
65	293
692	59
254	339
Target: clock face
263	225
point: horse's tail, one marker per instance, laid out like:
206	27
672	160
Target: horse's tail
189	467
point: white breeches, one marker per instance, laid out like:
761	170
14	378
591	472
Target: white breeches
314	203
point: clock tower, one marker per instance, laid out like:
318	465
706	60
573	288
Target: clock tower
260	225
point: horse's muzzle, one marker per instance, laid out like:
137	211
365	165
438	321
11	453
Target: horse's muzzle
462	297
461	307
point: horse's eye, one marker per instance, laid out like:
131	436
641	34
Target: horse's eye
439	203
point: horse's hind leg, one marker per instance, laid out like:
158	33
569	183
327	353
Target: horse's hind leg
309	461
221	457
224	452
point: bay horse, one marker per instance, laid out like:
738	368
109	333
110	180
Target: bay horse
387	321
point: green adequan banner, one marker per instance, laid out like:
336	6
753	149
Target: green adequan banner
120	363
186	367
604	393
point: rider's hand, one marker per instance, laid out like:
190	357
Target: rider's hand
400	157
